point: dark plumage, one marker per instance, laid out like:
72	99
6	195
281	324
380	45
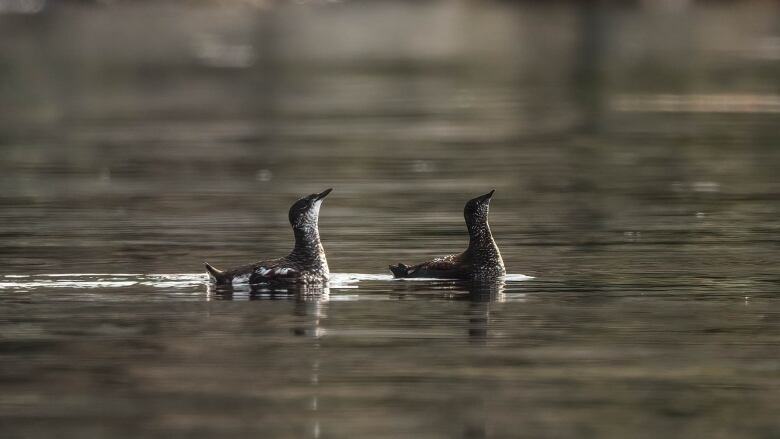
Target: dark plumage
305	264
481	260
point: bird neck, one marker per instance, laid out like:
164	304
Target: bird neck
480	238
308	248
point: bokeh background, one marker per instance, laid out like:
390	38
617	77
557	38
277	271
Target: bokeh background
634	151
149	136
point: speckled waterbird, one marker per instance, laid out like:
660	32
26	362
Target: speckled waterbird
305	264
481	260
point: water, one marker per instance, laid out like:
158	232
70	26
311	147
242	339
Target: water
633	151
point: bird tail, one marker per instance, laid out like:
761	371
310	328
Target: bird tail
400	270
217	276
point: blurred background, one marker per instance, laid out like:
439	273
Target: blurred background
633	146
149	136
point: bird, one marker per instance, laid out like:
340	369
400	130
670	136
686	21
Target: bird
306	263
480	261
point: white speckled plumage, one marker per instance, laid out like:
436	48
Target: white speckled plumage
242	278
306	263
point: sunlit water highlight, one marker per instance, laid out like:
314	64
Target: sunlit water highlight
332	290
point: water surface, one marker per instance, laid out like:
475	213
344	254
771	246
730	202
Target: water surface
634	153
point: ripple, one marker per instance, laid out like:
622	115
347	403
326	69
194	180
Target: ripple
179	280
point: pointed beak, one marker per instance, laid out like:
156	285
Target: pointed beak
323	194
487	196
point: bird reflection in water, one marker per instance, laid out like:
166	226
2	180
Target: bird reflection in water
311	299
479	294
480	297
309	312
310	315
303	292
474	291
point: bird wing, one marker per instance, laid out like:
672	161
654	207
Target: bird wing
451	266
274	270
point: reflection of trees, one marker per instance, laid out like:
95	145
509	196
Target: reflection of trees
587	70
